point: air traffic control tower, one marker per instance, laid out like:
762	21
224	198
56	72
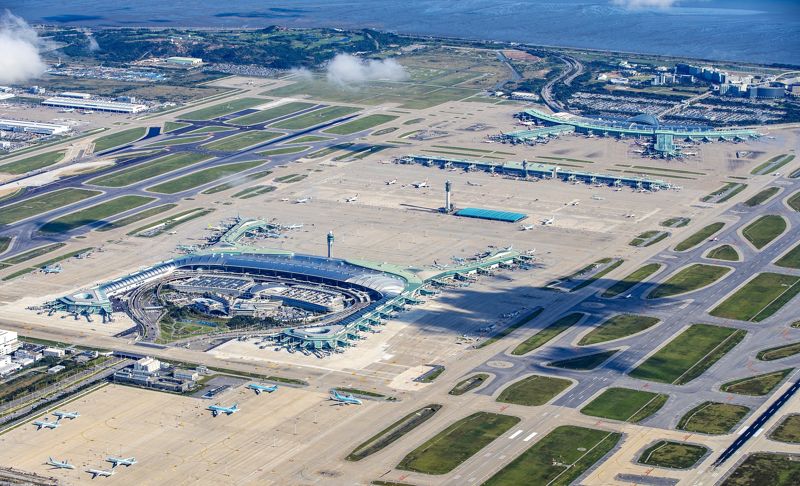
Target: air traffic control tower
330	243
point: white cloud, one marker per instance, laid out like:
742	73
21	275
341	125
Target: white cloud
346	70
93	45
634	4
19	50
302	74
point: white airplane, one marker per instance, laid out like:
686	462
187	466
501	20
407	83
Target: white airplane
293	226
630	215
352	199
474	184
99	472
67	110
575	202
218	409
439	266
526	227
262	388
44	424
344	399
67	415
59	464
391	182
302	200
598	198
121	461
548	221
420	185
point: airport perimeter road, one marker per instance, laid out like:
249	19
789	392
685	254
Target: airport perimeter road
573	68
676	313
26	231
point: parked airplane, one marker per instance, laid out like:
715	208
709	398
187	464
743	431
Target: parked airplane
420	185
474	184
44	424
391	182
121	461
55	268
352	199
59	464
302	200
99	472
548	221
67	415
344	399
438	265
262	388
575	202
218	409
526	227
293	226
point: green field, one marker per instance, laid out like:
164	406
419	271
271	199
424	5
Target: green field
238	182
283	150
309	139
611	265
241	140
315	117
648	238
269	114
117	139
32	163
457	443
625	404
136	217
533	390
209	129
788	430
699	237
773	164
724	252
360	124
759	298
691	353
148	170
31	254
790	259
221	109
511	328
794	201
395	431
93	214
177	141
675	455
757	385
616	327
163	225
627	283
765	468
764	230
172	126
677	222
45	202
558	459
779	352
254	191
469	383
713	418
288	179
689	279
762	197
585	362
548	333
202	177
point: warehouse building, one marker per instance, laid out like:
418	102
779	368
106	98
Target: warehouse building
95	105
32	127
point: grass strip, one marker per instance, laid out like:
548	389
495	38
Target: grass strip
513	327
202	177
93	214
44	203
548	333
533	390
630	281
394	432
699	237
618	327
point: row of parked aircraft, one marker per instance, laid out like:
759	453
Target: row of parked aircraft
46	424
339	398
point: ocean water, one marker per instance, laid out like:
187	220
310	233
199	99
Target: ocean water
764	31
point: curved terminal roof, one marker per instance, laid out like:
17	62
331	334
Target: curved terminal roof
287	264
644	119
